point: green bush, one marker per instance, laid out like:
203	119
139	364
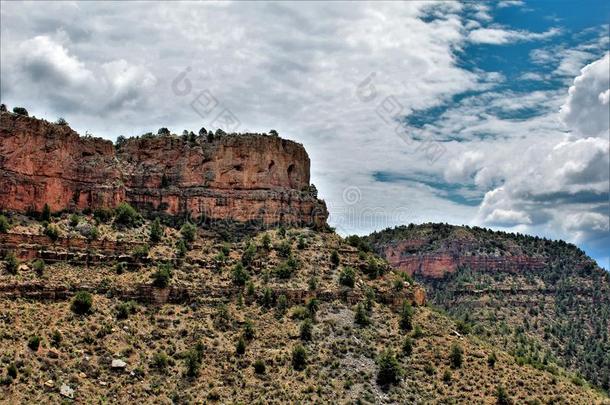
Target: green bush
181	248
347	277
299	357
282	305
4	224
407	346
103	215
38	265
334	258
188	232
406	316
284	249
447	376
162	276
502	397
126	215
160	361
56	338
20	111
491	360
61	121
267	298
12	263
301	243
52	231
74	220
82	303
389	370
266	241
456	357
249	254
240	346
259	366
140	251
249	330
239	274
34	342
11	370
124	309
156	231
306	329
192	361
361	317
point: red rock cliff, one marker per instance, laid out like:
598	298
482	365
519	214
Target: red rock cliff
236	177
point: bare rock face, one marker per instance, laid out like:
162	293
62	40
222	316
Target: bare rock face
234	177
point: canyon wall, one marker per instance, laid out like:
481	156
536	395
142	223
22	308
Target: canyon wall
234	177
438	264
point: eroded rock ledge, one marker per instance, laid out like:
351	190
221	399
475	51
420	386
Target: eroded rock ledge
234	177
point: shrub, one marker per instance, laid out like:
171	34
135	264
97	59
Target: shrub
406	316
56	338
312	307
52	231
267	298
34	342
192	361
163	131
249	253
417	332
239	274
361	317
162	276
156	231
312	283
11	370
347	277
160	361
74	220
249	330
4	224
82	303
240	346
266	241
491	360
259	366
12	264
20	111
502	397
126	215
306	329
46	213
447	376
140	251
103	215
282	304
281	232
38	266
188	232
299	357
61	121
407	346
181	248
456	356
334	258
389	370
301	244
124	309
284	249
283	270
429	369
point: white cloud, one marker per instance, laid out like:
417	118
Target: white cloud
586	109
501	36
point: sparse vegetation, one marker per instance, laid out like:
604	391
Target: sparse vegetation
82	303
347	277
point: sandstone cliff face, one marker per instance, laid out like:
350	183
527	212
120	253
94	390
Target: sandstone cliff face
440	263
235	178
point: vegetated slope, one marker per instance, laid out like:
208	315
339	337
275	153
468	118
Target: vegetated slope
544	301
186	317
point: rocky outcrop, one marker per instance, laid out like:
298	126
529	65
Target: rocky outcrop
410	256
234	177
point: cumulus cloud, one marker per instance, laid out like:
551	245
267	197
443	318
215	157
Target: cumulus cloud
586	109
502	36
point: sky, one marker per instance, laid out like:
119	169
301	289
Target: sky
492	114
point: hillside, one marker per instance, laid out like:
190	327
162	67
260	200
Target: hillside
188	315
543	301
